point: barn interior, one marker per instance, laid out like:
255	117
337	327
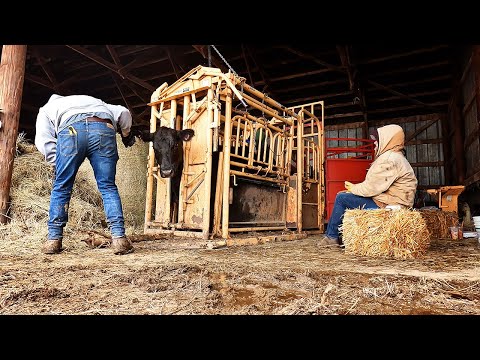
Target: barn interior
431	89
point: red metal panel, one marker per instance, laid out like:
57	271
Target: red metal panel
352	168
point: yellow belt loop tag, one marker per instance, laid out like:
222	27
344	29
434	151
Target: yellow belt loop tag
72	130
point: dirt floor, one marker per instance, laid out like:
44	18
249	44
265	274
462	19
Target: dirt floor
165	276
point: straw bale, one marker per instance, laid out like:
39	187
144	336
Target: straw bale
438	222
30	200
401	234
132	179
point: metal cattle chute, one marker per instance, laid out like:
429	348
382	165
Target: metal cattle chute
240	172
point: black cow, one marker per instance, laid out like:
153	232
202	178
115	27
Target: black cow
168	149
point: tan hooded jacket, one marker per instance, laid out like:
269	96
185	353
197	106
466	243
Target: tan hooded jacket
390	180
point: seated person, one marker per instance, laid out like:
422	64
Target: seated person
390	180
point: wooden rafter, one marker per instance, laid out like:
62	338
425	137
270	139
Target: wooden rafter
355	86
264	76
172	63
38	80
98	59
404	54
122	74
374	83
244	55
202	49
345	59
46	69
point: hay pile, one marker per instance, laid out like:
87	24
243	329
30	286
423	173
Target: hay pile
401	234
30	199
438	222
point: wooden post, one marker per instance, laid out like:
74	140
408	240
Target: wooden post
447	171
208	174
226	163
299	173
186	162
12	74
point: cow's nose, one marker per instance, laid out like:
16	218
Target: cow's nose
166	172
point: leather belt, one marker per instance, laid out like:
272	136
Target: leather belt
97	119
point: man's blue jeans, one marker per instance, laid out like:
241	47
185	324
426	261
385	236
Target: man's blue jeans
344	201
97	142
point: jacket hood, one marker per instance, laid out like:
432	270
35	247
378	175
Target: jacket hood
390	137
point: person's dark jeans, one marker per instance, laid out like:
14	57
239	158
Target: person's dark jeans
344	201
97	142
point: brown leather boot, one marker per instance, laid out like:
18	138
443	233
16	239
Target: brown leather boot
52	246
326	240
121	246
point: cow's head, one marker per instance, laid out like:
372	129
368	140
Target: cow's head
168	148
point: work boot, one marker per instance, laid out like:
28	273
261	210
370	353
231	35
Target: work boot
327	240
121	246
52	246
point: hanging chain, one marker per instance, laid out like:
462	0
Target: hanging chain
231	69
225	61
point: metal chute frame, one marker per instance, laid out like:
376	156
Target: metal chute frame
247	144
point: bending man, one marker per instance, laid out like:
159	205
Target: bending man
70	129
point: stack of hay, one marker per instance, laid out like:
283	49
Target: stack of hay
402	234
439	222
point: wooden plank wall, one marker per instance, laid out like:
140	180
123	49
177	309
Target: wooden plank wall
470	99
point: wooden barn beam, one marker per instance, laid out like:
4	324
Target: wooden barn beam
339	116
80	77
345	60
12	74
46	69
379	111
411	69
309	86
117	61
202	49
303	100
119	88
355	86
404	54
139	62
423	93
172	63
423	81
98	59
371	82
38	80
408	107
402	95
268	84
244	55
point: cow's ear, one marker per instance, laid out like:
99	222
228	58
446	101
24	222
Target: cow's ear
187	134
